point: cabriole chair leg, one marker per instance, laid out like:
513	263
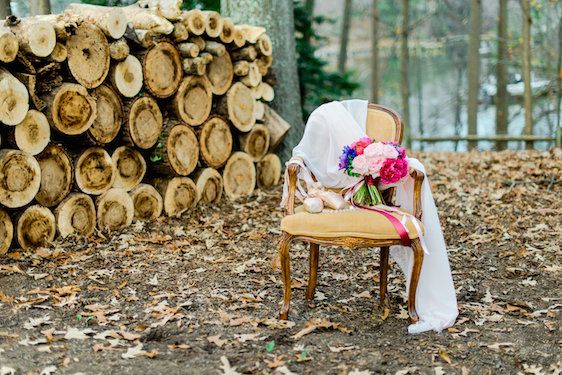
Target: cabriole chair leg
416	270
313	270
284	246
383	274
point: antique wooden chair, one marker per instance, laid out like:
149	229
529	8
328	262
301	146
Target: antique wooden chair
352	229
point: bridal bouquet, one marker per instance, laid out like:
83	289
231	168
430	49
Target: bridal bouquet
378	163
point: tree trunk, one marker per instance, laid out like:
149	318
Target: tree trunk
193	101
143	123
215	142
277	18
177	151
20	178
76	214
94	171
239	176
268	171
179	194
344	36
130	167
5	11
501	76
559	87
527	94
473	69
115	210
147	201
6	231
375	52
209	186
404	73
56	175
36	227
37	7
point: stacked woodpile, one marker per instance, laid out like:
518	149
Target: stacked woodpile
115	114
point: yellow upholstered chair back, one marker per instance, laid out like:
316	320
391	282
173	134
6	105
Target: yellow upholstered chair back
383	124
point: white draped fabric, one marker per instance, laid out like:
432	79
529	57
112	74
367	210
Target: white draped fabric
337	124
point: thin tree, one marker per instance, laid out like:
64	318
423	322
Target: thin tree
277	17
344	36
473	69
559	87
527	93
501	76
5	9
375	52
404	77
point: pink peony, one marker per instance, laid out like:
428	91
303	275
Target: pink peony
360	165
381	150
393	170
360	145
375	165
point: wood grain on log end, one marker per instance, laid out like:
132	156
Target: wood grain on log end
215	142
76	214
144	122
56	175
94	171
36	227
88	55
268	171
20	178
127	76
147	201
256	142
109	115
179	194
71	110
6	231
239	176
193	100
115	209
220	73
130	167
208	182
162	69
34	133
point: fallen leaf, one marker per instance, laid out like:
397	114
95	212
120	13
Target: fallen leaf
340	349
217	340
136	351
364	294
77	334
314	324
226	368
445	356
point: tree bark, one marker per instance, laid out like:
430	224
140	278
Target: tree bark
5	11
501	76
344	36
527	94
37	7
277	18
404	73
473	69
375	52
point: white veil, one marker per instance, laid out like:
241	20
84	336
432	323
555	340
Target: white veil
337	124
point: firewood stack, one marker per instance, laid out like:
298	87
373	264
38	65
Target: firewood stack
115	114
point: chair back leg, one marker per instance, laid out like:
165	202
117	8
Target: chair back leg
415	278
383	271
284	246
313	269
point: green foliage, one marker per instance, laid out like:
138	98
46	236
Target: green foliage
202	4
270	346
317	84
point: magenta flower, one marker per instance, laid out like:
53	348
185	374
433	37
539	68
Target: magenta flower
393	170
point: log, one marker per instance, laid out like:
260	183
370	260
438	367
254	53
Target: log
94	171
14	99
30	82
169	9
119	49
177	151
227	34
276	126
143	123
215	142
268	171
241	68
238	105
56	175
59	54
162	69
259	111
9	48
266	91
146	19
238	39
188	49
199	41
36	227
62	25
264	46
208	182
256	142
195	66
213	23
239	176
35	37
109	116
215	48
251	33
70	109
127	76
147	201
179	194
194	99
6	232
180	33
195	21
88	55
111	20
115	210
145	38
76	214
264	63
20	178
130	167
253	79
31	135
220	73
247	53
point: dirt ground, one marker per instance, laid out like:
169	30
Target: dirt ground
198	295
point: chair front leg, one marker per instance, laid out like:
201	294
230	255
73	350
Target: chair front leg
284	246
383	274
313	270
414	279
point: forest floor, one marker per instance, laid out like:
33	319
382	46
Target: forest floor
198	295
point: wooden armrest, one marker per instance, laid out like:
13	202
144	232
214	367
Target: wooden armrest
293	170
418	177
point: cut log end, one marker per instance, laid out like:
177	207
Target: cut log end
36	37
94	171
9	46
14	99
256	142
220	73
56	175
119	50
20	178
182	149
268	171
162	68
144	122
6	232
71	109
76	214
33	134
88	55
238	104
195	21
239	176
59	54
109	115
193	100
209	186
276	126
115	210
36	227
227	34
213	24
111	20
215	142
264	45
179	194
127	76
147	201
130	167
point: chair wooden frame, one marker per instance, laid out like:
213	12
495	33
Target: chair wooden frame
352	242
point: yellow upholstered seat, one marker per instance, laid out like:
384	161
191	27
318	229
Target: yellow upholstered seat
347	223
